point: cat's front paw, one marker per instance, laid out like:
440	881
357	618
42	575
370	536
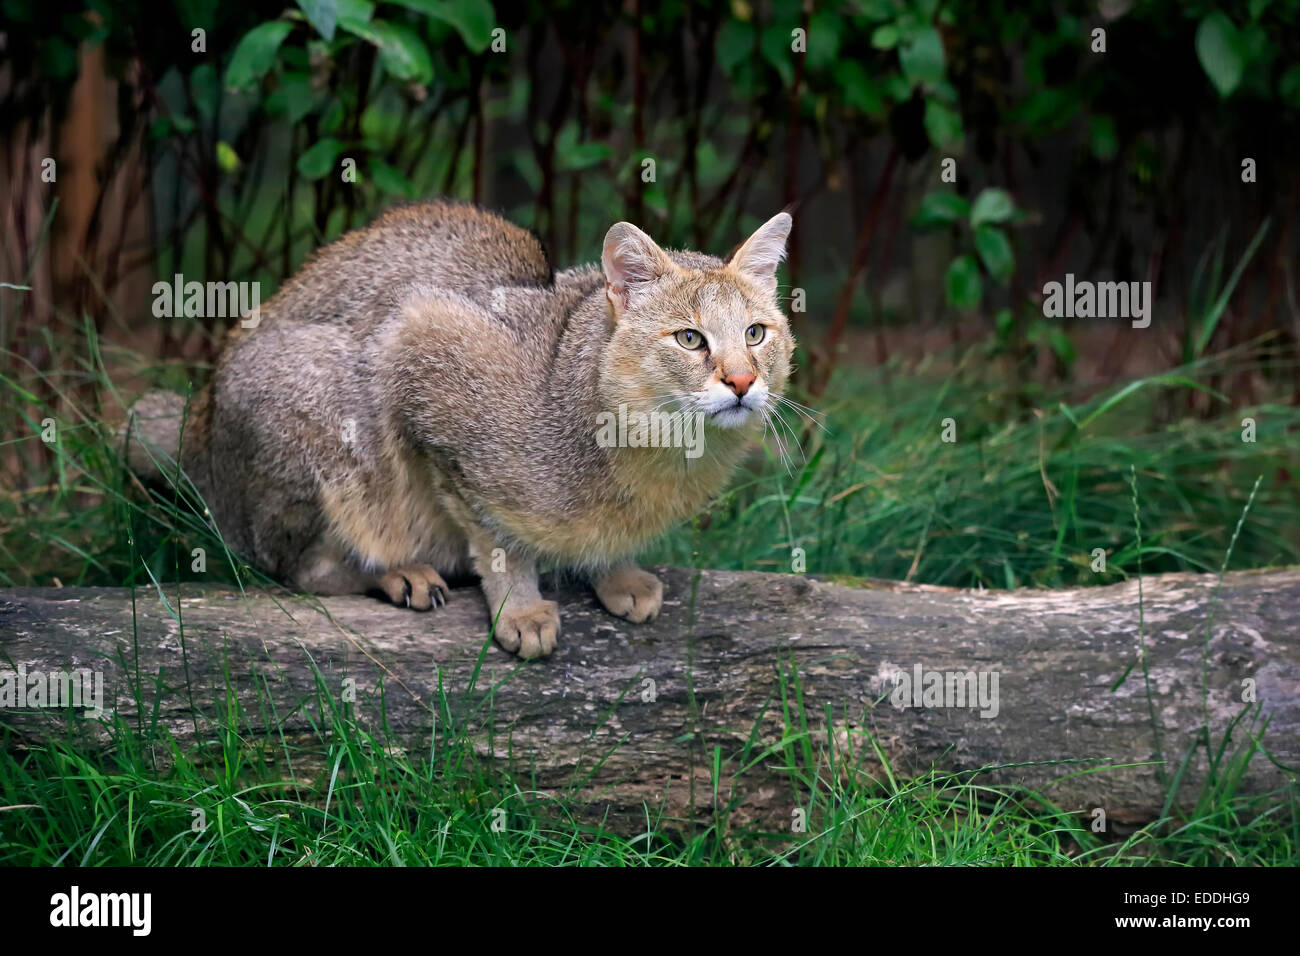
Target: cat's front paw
529	631
630	593
416	586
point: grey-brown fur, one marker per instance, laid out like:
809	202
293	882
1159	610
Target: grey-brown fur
421	399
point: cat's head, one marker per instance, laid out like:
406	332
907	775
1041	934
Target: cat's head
693	333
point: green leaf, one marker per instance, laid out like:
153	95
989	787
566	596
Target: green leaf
298	96
1255	46
381	123
1289	86
995	251
942	125
389	180
474	20
922	58
992	205
876	10
1063	346
885	37
945	93
358	10
1046	109
293	98
962	284
206	89
331	120
1218	46
860	91
317	161
939	209
735	46
362	29
1054	337
775	45
573	154
824	40
401	50
1102	138
897	89
322	14
1004	323
227	158
255	54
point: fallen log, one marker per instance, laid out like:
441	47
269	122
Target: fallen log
626	715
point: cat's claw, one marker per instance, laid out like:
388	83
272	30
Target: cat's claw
419	587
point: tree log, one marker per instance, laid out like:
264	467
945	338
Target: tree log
627	715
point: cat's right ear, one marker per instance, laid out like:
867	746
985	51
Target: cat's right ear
759	255
632	261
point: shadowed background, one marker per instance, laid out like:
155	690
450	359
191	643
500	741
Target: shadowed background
218	141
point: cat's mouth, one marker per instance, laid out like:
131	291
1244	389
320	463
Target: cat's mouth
729	410
733	416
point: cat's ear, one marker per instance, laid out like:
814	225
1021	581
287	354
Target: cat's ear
631	260
760	254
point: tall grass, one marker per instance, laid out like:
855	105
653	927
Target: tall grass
145	801
1022	497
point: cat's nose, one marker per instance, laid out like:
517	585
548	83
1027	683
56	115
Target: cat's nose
739	382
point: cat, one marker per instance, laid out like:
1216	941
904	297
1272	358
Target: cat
426	397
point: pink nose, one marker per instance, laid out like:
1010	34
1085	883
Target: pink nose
739	382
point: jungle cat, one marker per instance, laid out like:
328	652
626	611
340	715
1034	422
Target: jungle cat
425	398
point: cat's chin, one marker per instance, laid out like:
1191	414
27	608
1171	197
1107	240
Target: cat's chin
735	416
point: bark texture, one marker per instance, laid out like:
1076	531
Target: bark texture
627	715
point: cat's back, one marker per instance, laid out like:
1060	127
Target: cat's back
356	280
459	245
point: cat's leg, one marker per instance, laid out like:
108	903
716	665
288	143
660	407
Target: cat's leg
628	592
525	624
324	569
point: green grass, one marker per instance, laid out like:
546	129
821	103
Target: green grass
139	803
1024	496
1034	483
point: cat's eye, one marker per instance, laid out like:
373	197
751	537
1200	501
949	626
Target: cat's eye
755	334
690	339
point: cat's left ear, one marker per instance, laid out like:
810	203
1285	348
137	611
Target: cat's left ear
760	254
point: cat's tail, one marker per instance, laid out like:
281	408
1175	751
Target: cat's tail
151	435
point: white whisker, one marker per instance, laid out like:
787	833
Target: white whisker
794	437
802	410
